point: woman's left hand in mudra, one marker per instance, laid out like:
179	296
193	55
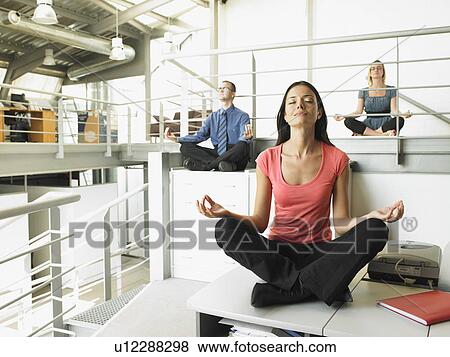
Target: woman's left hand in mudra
213	211
390	213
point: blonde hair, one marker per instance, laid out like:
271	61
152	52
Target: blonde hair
369	77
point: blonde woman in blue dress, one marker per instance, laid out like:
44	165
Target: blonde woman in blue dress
381	99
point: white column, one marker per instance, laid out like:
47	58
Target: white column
159	214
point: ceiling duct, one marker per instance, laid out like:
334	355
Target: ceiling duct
80	40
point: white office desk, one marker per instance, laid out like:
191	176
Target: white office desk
440	330
364	318
229	297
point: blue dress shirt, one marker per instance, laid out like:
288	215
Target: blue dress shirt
236	121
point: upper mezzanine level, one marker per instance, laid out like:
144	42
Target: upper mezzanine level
109	136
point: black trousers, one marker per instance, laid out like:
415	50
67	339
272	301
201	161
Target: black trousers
325	268
238	154
359	127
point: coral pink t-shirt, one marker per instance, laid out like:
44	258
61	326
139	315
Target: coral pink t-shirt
302	212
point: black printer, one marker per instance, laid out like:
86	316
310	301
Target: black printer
408	262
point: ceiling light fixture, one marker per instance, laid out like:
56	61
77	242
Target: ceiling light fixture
117	52
49	60
44	13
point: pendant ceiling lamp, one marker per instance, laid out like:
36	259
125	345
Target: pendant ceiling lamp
44	13
117	52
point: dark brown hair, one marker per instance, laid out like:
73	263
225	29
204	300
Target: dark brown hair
284	130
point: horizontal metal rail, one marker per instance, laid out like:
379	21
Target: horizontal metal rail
231	74
49	200
50	322
323	41
32	250
33	290
53	329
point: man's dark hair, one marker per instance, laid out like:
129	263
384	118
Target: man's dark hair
233	87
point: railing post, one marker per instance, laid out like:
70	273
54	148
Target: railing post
397	128
161	122
254	95
60	153
55	270
184	113
107	240
129	152
108	131
204	108
146	215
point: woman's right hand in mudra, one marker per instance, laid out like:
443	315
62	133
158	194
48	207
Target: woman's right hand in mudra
213	211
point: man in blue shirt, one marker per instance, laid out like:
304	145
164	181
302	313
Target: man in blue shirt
230	133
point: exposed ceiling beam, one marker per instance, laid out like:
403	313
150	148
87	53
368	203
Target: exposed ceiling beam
12	46
71	14
5	59
26	59
59	51
54	71
28	62
163	20
110	8
127	15
203	3
30	66
7	80
175	16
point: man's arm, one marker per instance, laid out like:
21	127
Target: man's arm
201	135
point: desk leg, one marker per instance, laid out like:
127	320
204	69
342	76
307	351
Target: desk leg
208	326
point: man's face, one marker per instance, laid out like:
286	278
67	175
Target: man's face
225	92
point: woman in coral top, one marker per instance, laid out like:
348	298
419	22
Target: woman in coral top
303	171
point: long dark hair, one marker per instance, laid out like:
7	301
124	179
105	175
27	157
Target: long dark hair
284	130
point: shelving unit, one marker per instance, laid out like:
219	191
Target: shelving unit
43	122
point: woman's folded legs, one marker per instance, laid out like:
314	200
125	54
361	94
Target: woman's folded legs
296	271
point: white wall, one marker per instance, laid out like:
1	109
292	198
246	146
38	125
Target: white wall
426	197
427	200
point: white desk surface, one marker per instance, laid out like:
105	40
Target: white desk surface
229	296
364	318
440	330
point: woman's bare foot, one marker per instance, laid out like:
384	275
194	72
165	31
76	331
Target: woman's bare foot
379	132
389	133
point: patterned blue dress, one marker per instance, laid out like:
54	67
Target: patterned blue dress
377	105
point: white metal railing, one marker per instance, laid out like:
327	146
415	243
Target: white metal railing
51	202
172	57
306	43
186	100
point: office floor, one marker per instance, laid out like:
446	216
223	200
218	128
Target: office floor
159	310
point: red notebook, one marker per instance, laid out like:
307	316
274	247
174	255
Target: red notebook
426	308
